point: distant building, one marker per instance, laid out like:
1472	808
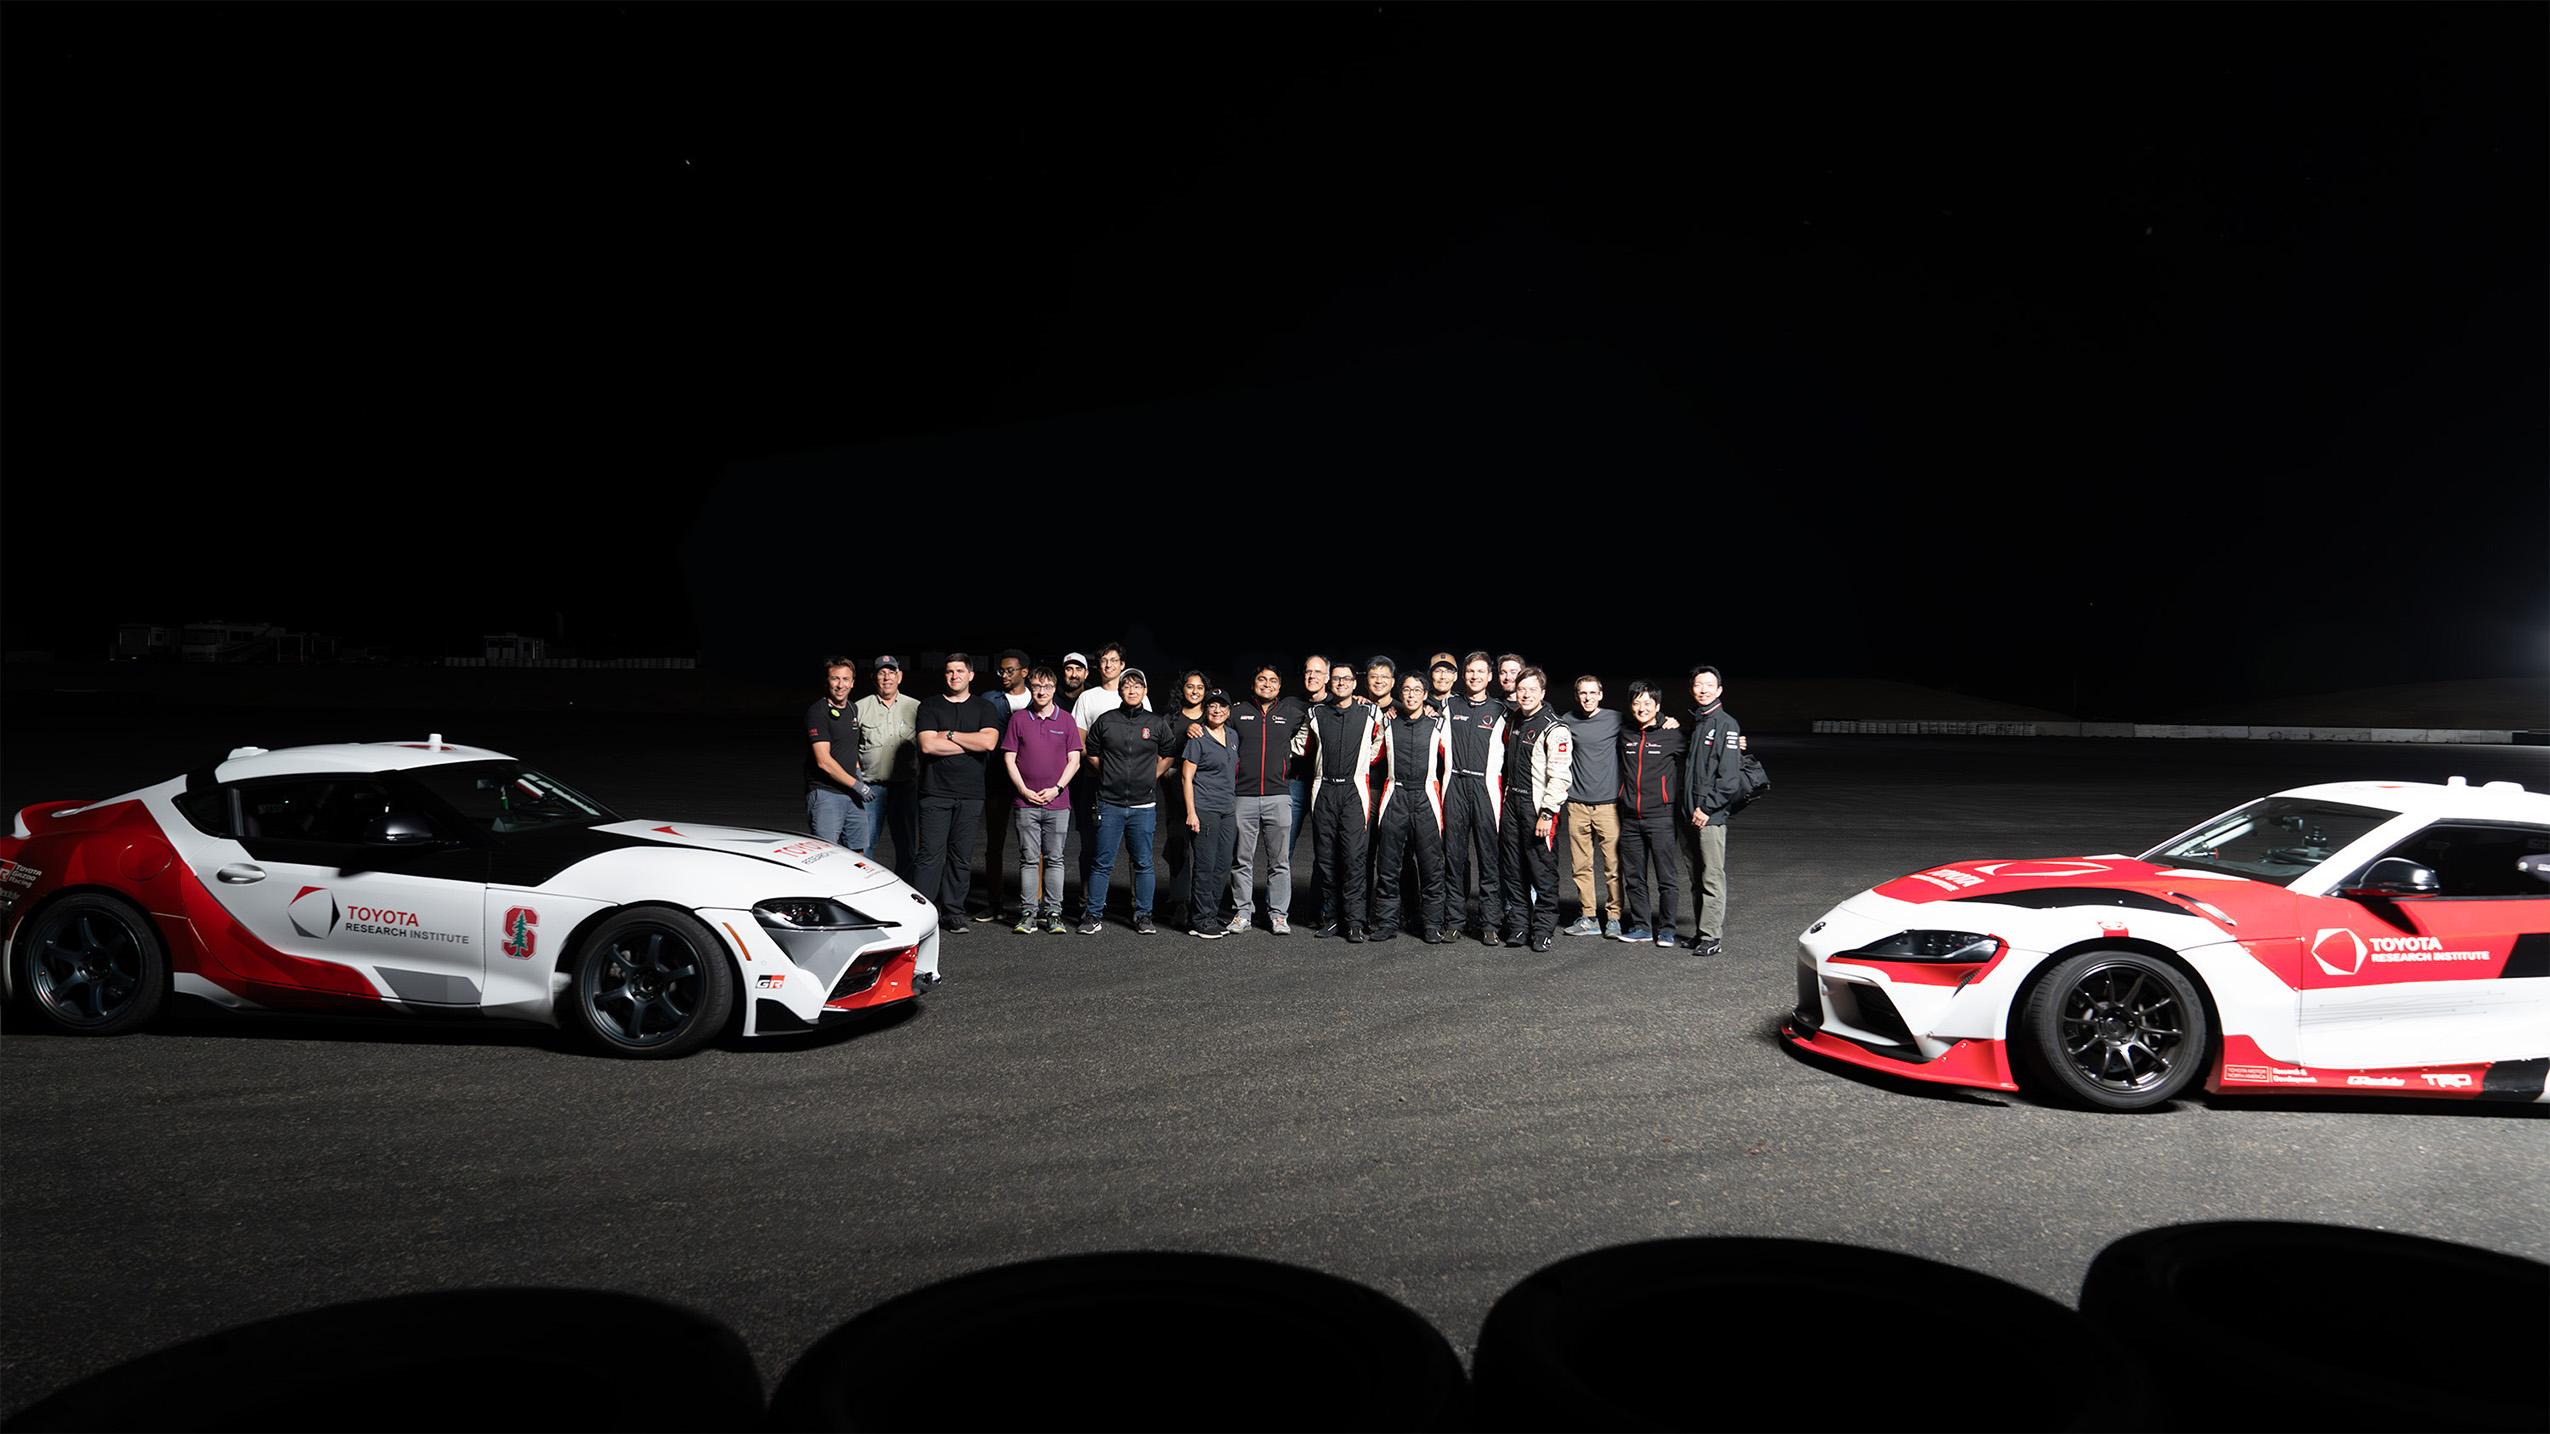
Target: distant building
220	640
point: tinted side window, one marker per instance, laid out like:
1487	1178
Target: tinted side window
334	810
2475	860
207	809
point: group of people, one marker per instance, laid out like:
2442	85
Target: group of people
1465	772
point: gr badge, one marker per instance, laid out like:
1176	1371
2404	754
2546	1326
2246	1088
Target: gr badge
522	932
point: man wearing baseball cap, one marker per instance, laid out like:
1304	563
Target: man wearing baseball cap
888	722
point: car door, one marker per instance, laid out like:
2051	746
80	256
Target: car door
2459	977
317	886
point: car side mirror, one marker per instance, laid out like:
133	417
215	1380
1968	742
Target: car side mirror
398	829
2536	866
2395	876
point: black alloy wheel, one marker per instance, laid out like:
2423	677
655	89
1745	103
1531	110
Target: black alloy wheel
652	982
94	965
2117	1030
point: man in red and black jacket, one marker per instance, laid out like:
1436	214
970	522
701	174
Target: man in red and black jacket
1262	732
1652	812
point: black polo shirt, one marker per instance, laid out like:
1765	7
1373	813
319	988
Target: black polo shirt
827	723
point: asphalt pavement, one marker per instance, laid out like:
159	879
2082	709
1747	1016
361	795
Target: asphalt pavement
1434	1122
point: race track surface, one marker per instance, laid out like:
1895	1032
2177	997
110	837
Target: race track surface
1435	1122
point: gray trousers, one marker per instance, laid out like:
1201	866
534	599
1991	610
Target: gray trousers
1041	833
1706	849
1272	819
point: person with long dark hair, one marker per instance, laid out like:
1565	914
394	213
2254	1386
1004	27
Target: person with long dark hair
1209	772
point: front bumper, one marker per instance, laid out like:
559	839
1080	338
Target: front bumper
1928	1021
798	980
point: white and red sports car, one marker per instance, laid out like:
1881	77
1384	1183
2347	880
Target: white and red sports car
2353	938
420	879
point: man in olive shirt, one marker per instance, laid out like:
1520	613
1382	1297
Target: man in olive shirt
888	721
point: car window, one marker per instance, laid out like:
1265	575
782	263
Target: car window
2476	859
332	810
2278	839
504	797
207	809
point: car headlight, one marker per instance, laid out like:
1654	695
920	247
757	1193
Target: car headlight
1965	946
812	913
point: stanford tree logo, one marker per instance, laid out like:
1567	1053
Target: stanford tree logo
522	926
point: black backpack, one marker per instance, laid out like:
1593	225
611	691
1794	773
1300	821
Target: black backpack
1752	783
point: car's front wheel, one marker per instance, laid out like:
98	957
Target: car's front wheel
94	965
652	982
2116	1030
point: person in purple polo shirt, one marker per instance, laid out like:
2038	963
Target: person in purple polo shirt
1042	750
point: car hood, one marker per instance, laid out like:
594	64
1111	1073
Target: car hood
834	869
2062	881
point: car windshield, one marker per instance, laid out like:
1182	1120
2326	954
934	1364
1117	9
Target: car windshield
504	797
2277	839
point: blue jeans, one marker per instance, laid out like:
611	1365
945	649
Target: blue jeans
837	817
1116	825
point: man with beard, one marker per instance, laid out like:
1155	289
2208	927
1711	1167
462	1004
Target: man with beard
1009	670
1341	739
1537	761
1416	754
1472	799
1509	671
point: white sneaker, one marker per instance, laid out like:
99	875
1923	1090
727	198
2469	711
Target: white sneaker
1238	927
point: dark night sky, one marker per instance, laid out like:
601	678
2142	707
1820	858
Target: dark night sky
2199	346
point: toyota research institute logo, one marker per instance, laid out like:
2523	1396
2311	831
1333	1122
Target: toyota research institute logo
2339	951
314	913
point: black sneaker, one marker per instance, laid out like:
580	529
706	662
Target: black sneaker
1705	946
1544	943
1490	938
1054	926
1355	933
1091	926
1387	933
1142	927
958	929
1437	938
1324	932
929	982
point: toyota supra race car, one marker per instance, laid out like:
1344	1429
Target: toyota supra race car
2353	938
421	879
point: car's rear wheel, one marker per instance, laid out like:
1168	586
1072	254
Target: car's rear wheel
2116	1030
94	966
652	982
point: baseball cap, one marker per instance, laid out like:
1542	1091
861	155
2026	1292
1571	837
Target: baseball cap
1217	695
1071	657
888	660
1132	674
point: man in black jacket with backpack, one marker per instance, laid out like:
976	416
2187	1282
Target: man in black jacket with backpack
1713	785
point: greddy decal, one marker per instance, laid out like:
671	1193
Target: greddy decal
522	932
